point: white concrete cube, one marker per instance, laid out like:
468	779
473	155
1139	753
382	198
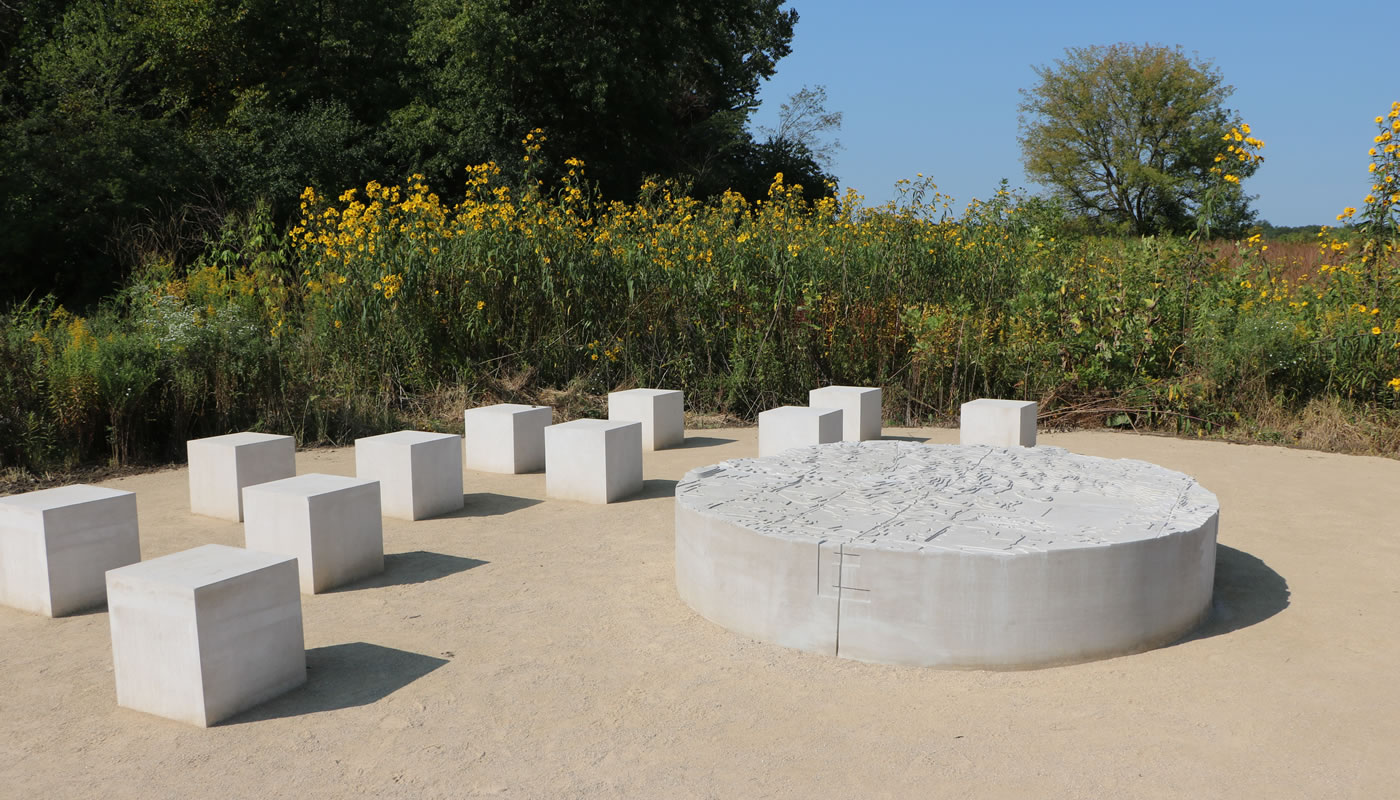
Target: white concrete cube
506	437
419	473
1000	423
786	427
661	412
861	409
221	466
203	634
593	460
330	523
56	545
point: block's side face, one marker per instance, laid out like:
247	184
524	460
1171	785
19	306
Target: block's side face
830	427
391	464
764	587
436	486
24	561
213	472
278	522
1026	424
668	421
622	462
347	537
250	644
635	407
265	461
577	466
870	416
155	648
779	431
527	444
85	540
489	440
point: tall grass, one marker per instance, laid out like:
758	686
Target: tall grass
387	295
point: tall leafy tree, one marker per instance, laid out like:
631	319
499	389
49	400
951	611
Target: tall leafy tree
1128	133
633	87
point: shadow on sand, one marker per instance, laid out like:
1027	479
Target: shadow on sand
418	566
489	504
344	676
1247	592
704	441
915	439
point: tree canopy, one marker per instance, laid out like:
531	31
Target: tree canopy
1127	134
114	114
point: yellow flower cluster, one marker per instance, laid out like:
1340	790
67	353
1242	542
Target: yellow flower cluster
1241	148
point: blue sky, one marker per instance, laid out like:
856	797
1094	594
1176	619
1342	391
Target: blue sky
932	87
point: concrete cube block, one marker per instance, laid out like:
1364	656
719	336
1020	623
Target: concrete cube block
593	460
330	523
203	634
419	473
661	412
506	437
797	426
1000	423
861	409
221	466
56	546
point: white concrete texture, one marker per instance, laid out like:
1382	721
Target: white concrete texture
56	546
203	634
999	423
506	437
330	523
419	473
661	412
593	460
221	466
861	409
947	555
786	427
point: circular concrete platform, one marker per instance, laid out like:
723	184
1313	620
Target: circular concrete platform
949	556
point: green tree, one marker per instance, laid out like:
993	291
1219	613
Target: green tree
1127	134
633	87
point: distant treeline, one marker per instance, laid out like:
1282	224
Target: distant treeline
130	130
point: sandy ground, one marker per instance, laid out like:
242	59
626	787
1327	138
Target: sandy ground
534	648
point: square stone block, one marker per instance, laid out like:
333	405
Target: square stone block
419	473
861	409
221	466
56	546
1000	423
506	437
593	460
330	523
661	412
797	426
203	634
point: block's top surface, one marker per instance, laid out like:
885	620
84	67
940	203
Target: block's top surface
800	411
505	408
202	566
407	438
644	393
312	483
988	402
592	425
237	439
973	499
58	497
846	389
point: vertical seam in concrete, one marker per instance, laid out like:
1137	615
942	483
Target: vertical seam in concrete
840	587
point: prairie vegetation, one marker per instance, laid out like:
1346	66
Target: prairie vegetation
386	305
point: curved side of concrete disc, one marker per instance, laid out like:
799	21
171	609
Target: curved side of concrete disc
889	601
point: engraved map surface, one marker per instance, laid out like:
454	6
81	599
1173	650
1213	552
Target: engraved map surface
908	496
